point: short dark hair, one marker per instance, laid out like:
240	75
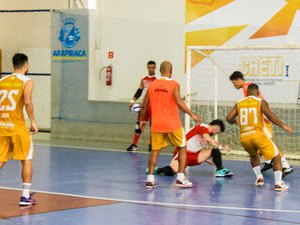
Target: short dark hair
253	89
236	75
19	59
219	123
151	62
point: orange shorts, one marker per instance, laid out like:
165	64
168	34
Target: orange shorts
160	140
17	147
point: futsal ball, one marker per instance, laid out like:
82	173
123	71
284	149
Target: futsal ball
135	108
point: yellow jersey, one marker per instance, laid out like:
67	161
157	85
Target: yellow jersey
250	116
12	120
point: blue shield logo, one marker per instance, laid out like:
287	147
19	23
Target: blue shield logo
69	34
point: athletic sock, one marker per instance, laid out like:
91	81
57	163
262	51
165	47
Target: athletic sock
278	177
26	190
136	138
217	158
167	170
257	172
150	178
180	176
285	163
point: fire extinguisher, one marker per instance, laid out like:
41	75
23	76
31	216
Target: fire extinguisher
109	75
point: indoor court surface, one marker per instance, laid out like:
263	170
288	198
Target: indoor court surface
77	186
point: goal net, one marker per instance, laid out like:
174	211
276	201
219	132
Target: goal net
211	95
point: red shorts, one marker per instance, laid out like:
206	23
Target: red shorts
191	157
147	116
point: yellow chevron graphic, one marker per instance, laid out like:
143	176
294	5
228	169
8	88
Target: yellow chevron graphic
218	36
280	23
197	8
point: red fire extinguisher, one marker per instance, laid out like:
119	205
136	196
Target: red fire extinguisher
109	75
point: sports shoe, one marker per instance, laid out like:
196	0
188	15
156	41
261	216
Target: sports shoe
150	184
27	201
184	183
223	173
281	187
266	166
132	148
149	148
155	170
259	182
287	171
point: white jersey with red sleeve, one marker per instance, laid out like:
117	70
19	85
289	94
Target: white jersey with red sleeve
194	137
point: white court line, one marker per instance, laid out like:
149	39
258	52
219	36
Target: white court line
98	149
163	203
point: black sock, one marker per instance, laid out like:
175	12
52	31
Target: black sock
217	158
167	170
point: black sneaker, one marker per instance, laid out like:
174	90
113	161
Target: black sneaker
149	148
266	166
132	148
287	171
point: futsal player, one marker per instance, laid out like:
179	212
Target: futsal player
250	112
144	83
15	138
238	82
198	139
164	96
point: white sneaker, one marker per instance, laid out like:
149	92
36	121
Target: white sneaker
259	182
184	183
281	187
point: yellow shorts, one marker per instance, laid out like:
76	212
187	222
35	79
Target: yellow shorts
19	147
176	138
268	129
259	143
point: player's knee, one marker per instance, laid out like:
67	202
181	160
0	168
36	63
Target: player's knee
138	128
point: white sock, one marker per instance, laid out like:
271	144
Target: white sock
268	161
285	163
180	176
278	177
257	172
26	190
150	178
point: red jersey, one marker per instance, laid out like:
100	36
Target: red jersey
194	137
147	79
164	110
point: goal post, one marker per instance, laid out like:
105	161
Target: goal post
210	93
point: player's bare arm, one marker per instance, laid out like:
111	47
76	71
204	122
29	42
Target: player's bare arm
183	106
144	108
136	96
273	118
28	89
232	115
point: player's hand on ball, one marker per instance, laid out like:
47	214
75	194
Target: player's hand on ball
130	106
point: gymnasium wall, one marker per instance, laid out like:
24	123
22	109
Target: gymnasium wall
82	105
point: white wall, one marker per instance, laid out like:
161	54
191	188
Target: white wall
32	4
136	31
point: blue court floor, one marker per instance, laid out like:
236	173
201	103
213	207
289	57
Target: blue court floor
119	177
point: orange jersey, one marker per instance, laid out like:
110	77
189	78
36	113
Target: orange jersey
250	116
164	110
12	119
245	86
